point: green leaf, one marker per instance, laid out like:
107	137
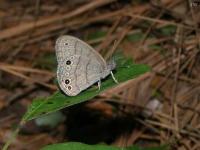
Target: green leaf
135	37
96	35
81	146
46	61
168	30
158	48
50	120
121	60
155	47
125	71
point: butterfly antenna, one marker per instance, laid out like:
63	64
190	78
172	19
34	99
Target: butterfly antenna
114	47
112	50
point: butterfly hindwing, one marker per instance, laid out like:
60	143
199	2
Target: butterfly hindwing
79	65
78	75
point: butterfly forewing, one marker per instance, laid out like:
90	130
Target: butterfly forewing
79	65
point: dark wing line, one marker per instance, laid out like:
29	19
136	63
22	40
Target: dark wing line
96	54
76	74
75	45
98	57
81	51
87	71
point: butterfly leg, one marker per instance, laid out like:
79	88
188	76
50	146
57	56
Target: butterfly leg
99	84
113	77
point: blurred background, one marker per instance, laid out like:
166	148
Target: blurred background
161	106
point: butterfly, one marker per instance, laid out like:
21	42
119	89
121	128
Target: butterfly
79	65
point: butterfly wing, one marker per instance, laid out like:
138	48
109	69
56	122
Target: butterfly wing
79	65
68	45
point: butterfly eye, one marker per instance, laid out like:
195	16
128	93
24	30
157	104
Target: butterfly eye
69	87
67	81
68	62
66	43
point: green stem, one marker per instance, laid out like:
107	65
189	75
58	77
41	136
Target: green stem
13	136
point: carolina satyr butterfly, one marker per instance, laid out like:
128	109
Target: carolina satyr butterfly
79	65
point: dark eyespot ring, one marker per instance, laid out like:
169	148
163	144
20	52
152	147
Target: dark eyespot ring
69	87
67	81
68	67
68	62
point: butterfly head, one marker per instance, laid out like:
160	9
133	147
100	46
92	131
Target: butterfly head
111	64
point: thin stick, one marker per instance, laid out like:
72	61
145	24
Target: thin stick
14	31
28	78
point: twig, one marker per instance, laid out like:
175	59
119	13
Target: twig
28	78
159	21
10	32
26	69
